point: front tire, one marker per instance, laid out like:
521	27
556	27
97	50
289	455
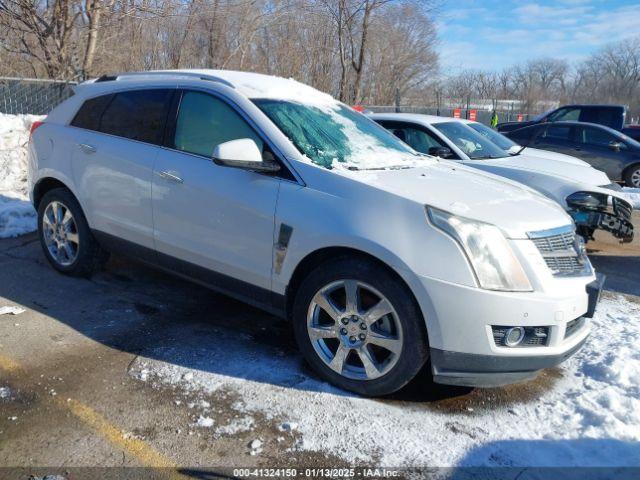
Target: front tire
632	177
359	327
65	236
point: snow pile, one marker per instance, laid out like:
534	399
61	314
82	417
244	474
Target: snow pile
17	215
633	194
11	310
590	416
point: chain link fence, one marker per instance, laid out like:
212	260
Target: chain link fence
30	95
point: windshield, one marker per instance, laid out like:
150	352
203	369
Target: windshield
500	140
476	146
333	135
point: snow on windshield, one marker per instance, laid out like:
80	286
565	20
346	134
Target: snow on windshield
335	136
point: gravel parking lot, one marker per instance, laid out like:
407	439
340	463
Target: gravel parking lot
136	368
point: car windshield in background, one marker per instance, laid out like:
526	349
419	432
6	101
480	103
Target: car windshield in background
334	136
476	146
500	140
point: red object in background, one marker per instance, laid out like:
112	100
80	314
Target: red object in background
473	114
520	117
34	125
358	108
456	113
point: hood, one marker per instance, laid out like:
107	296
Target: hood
470	193
527	162
536	152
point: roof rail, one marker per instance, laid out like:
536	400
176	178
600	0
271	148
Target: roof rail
164	73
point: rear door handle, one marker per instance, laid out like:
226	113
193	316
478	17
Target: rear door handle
86	148
171	176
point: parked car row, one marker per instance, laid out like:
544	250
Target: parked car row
384	259
586	193
612	116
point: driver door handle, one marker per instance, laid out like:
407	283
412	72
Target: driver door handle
171	176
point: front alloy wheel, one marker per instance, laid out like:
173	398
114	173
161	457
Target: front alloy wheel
359	326
354	329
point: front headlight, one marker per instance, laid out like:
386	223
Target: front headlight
489	253
588	201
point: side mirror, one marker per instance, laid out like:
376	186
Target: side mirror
242	153
442	152
615	146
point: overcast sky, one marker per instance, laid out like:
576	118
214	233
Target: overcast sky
491	34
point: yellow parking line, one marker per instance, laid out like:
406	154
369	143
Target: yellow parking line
139	449
144	453
9	365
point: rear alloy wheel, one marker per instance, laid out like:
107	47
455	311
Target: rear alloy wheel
632	177
360	339
359	327
60	233
65	236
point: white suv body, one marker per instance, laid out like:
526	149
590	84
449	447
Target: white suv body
593	201
382	260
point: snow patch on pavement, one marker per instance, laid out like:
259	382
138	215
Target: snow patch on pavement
205	422
237	425
11	310
5	393
17	215
589	417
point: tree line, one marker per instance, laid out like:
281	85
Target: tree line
372	52
610	75
361	51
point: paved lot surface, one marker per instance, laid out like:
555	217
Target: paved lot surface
73	369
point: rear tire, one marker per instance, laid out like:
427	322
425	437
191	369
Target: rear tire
65	236
353	345
632	177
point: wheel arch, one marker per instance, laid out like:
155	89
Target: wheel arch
45	185
315	258
627	168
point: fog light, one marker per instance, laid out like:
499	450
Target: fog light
514	336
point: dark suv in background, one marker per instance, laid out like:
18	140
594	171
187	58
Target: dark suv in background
602	147
612	116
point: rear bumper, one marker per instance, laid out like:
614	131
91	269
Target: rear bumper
467	369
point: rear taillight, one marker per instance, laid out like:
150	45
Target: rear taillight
34	126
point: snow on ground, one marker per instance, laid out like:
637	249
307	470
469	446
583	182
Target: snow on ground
17	215
633	194
588	417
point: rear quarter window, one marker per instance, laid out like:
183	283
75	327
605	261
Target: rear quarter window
90	112
138	115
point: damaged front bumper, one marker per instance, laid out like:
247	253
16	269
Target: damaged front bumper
615	218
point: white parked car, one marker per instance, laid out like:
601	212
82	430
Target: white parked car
274	193
593	201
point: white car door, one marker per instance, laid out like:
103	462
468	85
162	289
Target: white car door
118	138
211	222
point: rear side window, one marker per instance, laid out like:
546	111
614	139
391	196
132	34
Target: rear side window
611	117
597	137
205	122
565	114
90	112
557	132
139	115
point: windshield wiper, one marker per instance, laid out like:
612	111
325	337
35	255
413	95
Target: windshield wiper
519	151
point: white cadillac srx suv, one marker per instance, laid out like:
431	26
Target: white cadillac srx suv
272	192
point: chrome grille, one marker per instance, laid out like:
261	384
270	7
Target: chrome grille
558	248
553	243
